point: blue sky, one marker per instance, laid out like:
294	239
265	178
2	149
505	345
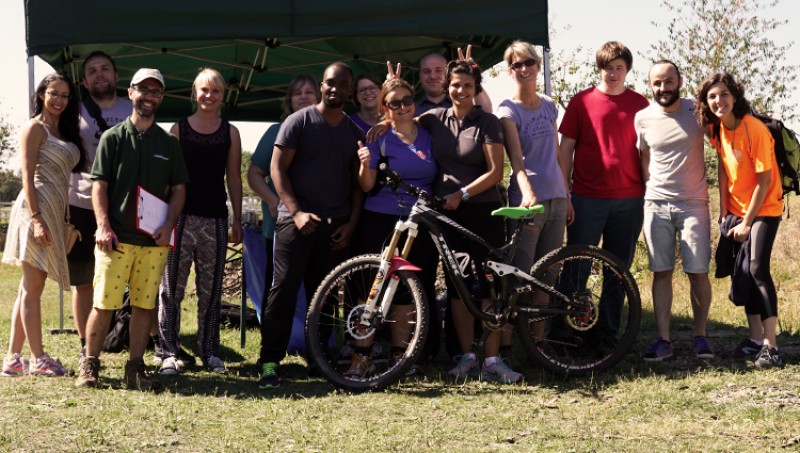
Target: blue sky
591	22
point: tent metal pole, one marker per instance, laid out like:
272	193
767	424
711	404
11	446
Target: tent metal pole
546	59
30	85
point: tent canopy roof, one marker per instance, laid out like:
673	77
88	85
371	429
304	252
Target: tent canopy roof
259	45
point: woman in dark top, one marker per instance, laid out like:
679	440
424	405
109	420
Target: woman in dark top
213	152
468	148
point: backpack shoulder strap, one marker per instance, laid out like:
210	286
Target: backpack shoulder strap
94	111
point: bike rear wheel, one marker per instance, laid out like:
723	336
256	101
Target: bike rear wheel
604	317
394	342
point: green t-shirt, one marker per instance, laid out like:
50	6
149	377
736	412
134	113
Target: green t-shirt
127	159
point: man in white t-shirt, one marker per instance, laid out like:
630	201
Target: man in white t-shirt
99	111
676	205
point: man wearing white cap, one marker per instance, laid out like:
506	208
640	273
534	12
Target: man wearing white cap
134	157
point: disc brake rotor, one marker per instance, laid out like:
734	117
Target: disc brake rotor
354	326
585	315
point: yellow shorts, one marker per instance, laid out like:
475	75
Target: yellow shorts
134	266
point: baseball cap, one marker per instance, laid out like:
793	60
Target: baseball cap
147	73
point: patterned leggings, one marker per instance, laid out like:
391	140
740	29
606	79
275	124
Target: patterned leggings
202	241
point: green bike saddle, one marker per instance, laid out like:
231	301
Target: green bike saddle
517	212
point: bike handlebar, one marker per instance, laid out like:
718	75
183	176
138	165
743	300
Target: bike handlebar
395	181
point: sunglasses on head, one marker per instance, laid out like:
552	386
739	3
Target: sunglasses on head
527	63
396	104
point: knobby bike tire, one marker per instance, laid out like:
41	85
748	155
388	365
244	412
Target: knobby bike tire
583	273
330	344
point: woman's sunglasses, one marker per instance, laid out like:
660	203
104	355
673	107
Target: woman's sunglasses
396	104
527	63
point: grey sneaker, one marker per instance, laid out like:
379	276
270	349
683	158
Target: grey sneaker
467	367
170	366
216	365
500	372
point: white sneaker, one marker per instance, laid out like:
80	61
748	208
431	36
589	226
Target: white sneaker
467	367
216	365
170	366
500	372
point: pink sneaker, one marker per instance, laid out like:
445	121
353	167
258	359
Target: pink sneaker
17	366
47	366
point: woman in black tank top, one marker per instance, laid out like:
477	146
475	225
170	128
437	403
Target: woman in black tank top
212	151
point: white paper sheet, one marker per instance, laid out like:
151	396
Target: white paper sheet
151	213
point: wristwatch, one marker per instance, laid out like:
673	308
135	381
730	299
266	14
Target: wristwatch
464	194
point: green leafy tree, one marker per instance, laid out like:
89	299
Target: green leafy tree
10	185
706	36
246	190
6	130
574	70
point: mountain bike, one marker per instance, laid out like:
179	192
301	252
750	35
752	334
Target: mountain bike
378	301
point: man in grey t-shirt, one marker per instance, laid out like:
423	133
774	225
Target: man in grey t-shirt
101	106
314	167
676	205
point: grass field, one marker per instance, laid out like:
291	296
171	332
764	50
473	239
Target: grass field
683	405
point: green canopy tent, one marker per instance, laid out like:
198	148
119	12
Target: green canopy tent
259	45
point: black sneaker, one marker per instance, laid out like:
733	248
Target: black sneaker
269	376
768	358
747	348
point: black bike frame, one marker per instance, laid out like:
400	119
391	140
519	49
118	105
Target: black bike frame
430	219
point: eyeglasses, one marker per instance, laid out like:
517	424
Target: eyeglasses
396	104
157	94
55	95
369	89
527	63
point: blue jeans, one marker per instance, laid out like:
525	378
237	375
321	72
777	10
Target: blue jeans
618	222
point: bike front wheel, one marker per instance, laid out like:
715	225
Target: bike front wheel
390	344
603	316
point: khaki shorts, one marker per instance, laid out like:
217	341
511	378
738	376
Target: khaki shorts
686	221
137	267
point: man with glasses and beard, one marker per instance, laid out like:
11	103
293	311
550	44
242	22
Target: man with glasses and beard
100	110
132	157
314	168
676	204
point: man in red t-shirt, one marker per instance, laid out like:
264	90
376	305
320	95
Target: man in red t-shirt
598	144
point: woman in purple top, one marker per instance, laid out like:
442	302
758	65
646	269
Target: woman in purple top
528	120
407	150
368	87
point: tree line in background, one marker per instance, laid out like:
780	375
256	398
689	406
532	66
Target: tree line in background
703	37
